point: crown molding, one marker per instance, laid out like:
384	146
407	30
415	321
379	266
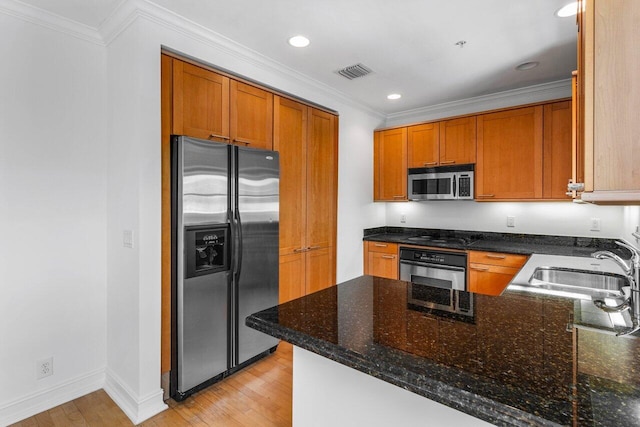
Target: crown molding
128	11
50	20
526	95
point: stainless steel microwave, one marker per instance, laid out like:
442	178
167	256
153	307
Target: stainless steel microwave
441	183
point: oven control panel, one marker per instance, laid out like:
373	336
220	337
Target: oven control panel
433	257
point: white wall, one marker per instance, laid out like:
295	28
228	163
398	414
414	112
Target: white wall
552	218
133	322
52	216
631	222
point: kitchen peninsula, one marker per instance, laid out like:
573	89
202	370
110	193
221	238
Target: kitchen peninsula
522	359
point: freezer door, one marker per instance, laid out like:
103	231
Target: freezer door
205	181
257	264
202	329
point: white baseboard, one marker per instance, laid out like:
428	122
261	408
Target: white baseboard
48	398
138	409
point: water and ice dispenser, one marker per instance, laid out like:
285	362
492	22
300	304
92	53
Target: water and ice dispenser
206	249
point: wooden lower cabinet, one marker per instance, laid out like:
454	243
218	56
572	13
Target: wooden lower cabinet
491	272
320	269
381	259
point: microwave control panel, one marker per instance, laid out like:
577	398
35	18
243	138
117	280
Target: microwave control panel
464	184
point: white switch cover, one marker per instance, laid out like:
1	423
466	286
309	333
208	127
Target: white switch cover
595	224
511	221
127	239
403	218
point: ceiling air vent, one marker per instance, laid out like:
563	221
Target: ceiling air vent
354	71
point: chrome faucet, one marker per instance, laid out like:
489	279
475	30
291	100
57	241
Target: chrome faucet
632	270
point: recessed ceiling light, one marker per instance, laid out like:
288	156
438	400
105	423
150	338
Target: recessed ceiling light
394	96
569	10
299	41
527	65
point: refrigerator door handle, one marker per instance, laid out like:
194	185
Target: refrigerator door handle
238	222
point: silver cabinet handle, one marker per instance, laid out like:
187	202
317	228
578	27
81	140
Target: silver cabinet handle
486	195
496	256
380	245
313	248
398	197
447	162
389	256
480	268
295	251
430	163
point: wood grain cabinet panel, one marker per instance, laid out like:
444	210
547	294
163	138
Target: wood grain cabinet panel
390	165
292	277
458	141
423	145
609	60
381	259
251	116
509	163
557	163
200	102
306	139
491	272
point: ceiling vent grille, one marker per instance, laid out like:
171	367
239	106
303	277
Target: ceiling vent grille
354	71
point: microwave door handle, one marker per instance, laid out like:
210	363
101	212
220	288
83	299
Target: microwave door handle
454	186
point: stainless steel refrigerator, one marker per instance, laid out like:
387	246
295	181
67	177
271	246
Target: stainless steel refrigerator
225	203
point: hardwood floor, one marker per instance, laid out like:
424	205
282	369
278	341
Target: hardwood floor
259	395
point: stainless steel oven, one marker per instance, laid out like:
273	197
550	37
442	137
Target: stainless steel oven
437	280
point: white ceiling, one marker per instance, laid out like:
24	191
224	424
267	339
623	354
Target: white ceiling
409	44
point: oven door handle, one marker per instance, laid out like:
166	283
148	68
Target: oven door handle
438	266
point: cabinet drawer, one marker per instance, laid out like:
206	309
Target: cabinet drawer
497	258
383	247
489	279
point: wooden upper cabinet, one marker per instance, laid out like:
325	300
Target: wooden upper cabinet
322	175
423	143
557	150
509	163
200	102
290	135
608	73
458	141
390	165
251	116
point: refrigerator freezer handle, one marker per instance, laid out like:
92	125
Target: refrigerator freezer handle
238	222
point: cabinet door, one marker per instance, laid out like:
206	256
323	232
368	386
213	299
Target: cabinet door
390	165
458	141
292	279
322	174
251	116
320	269
423	145
200	102
557	150
382	265
510	155
290	136
490	279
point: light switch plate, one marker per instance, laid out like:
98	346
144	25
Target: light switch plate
511	221
127	239
595	224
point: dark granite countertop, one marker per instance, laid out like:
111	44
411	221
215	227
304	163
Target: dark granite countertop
519	360
524	244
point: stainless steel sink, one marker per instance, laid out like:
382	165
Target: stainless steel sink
583	284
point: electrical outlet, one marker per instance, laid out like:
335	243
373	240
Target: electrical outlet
44	368
595	224
511	221
403	218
